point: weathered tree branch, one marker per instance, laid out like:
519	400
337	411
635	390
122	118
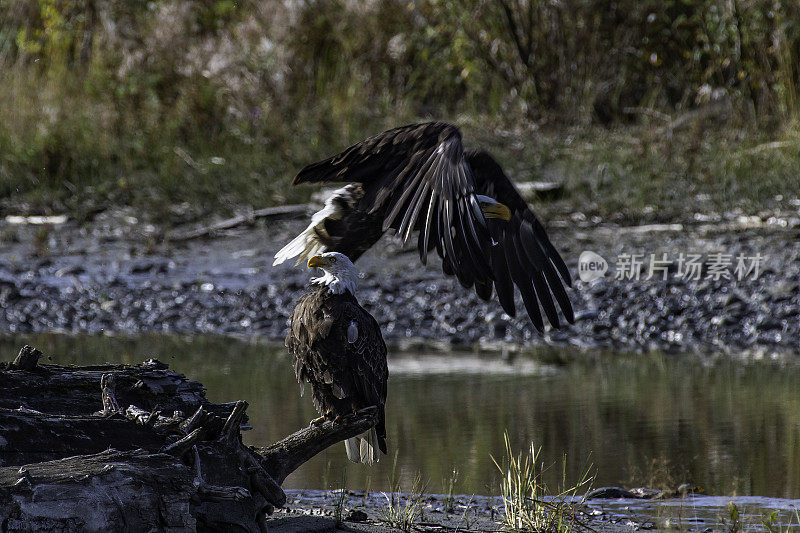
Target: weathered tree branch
285	456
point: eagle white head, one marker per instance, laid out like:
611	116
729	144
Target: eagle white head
339	272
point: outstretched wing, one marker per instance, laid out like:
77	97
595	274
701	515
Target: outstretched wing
419	178
529	258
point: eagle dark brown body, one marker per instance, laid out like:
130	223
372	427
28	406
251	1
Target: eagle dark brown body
338	349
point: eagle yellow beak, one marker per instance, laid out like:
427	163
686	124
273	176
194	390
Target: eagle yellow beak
496	210
317	261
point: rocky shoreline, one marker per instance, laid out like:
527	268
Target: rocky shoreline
117	275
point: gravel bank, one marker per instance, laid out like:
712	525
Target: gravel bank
112	277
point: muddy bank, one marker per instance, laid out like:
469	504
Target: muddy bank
118	275
317	510
618	510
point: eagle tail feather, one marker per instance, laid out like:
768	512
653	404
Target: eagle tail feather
304	246
315	239
363	448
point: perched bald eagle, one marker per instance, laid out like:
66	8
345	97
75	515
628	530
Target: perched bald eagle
420	178
338	348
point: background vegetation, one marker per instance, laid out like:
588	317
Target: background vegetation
645	109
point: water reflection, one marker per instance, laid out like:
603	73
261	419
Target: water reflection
729	427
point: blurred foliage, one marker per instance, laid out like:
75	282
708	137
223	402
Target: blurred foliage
585	59
219	102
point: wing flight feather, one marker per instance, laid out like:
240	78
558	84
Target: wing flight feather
420	178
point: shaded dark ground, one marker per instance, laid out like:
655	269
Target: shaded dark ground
118	275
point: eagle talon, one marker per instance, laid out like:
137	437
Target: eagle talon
317	422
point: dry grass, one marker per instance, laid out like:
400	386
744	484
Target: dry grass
449	486
403	510
529	504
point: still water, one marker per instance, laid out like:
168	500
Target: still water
731	428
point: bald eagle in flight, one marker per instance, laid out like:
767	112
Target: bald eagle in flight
419	178
338	349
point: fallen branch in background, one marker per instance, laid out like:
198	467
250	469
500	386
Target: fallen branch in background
281	212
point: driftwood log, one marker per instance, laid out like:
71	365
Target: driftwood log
137	448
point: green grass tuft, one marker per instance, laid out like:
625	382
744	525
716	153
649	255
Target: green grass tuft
340	499
527	501
449	486
403	510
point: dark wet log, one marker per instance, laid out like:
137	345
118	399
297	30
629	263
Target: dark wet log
109	491
214	484
31	436
71	390
92	460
